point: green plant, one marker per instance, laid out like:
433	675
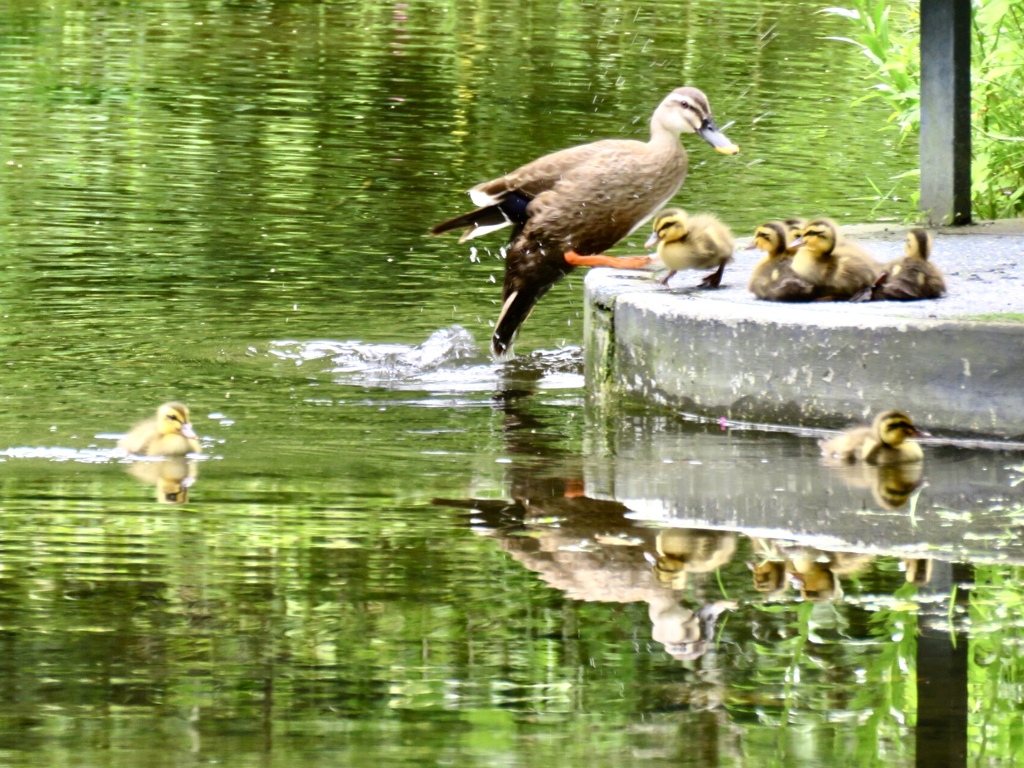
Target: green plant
889	36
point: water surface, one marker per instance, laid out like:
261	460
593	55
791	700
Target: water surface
396	551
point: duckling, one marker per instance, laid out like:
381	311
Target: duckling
773	277
169	433
913	277
885	442
700	241
582	200
838	268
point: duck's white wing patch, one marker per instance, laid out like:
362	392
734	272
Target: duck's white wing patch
481	199
479	231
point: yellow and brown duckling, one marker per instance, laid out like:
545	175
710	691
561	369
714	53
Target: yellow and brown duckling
913	277
886	441
582	200
698	241
773	278
169	433
837	267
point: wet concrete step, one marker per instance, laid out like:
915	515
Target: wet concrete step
956	364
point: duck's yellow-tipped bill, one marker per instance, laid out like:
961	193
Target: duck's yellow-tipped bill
710	133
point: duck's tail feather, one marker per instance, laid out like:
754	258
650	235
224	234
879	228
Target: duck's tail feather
509	211
518	306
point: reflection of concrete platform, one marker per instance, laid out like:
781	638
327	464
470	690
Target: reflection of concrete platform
962	505
957	363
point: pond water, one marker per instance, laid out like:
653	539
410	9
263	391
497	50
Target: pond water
396	551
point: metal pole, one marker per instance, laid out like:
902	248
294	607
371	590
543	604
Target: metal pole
946	111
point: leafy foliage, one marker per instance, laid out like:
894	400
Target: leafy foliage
890	39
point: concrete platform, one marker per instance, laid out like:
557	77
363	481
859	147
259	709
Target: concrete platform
956	363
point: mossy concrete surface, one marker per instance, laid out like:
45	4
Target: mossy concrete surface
723	352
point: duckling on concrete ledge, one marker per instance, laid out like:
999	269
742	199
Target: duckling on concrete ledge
773	278
700	241
913	277
169	433
886	441
837	268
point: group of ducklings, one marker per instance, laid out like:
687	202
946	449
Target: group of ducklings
804	261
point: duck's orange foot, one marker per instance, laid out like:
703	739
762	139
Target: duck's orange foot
573	259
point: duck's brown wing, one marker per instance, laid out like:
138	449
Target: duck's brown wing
545	172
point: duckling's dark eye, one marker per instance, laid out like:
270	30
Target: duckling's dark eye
173	417
684	104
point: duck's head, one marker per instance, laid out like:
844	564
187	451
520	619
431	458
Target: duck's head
819	237
919	244
771	237
894	427
686	110
670	225
795	225
173	419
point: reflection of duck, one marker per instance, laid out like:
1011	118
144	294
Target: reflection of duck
172	477
838	268
582	200
698	241
886	441
169	433
913	277
683	631
773	278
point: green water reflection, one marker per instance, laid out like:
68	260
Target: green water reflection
396	551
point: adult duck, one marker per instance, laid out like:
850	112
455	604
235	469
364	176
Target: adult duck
580	201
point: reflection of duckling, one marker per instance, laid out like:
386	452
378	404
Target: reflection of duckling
699	241
913	277
884	442
918	570
769	577
816	573
773	277
684	550
837	267
891	486
170	433
172	477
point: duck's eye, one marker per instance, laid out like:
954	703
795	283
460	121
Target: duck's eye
173	417
684	104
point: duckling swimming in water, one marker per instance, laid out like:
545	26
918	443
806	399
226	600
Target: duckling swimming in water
885	441
169	433
913	277
773	277
838	268
700	241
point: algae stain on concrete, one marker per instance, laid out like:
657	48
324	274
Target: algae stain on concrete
1006	317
